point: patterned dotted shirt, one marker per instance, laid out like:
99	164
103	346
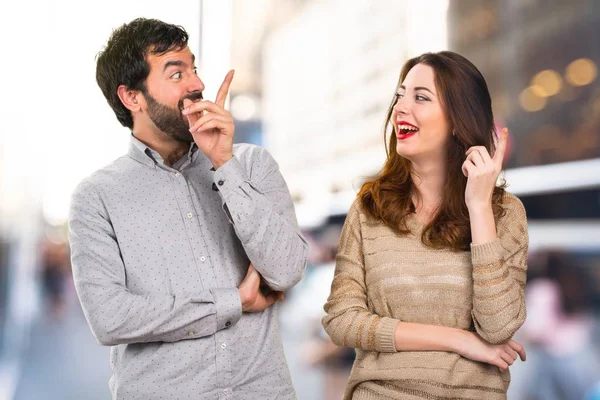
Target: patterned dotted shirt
158	253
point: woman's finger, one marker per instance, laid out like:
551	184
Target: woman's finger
512	353
476	158
502	365
518	347
501	147
507	358
468	167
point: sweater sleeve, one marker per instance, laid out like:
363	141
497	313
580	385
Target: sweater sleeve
348	320
499	275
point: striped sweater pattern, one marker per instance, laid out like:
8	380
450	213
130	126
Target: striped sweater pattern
382	277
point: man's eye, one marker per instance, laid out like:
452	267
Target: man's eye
195	70
176	75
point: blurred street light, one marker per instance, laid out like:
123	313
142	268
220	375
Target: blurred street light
531	100
549	81
581	72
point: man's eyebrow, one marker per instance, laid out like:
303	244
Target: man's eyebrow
171	63
178	63
418	88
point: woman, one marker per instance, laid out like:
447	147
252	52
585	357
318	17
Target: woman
430	274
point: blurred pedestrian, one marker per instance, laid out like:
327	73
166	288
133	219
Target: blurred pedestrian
561	330
56	272
430	274
163	238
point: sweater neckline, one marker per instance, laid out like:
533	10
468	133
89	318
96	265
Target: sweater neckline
414	224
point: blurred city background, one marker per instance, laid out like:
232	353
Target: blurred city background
313	80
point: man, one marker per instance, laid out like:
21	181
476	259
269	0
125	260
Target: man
181	248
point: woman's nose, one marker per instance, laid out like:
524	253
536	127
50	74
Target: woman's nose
401	107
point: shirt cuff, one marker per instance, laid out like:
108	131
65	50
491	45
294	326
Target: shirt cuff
228	305
229	176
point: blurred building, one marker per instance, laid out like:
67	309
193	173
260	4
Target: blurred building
329	75
540	59
325	91
250	23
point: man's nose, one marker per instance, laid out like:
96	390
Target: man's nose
195	84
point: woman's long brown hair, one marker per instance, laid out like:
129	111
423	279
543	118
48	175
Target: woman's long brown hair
466	101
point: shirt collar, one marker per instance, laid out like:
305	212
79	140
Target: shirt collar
144	154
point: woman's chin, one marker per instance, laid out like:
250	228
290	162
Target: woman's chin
404	152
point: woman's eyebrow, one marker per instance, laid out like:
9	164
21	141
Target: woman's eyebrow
418	88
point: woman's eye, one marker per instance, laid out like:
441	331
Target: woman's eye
421	98
399	95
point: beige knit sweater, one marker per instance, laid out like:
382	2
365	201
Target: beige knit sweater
382	278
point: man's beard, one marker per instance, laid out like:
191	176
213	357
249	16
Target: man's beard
170	120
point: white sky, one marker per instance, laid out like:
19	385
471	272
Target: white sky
56	127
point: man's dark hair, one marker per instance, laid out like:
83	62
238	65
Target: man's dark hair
123	60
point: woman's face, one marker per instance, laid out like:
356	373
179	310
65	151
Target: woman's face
420	123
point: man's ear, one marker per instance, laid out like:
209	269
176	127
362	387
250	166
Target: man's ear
131	99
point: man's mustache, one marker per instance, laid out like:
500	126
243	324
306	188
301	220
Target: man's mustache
192	96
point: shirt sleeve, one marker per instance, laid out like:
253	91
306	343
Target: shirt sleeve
259	206
115	314
499	276
348	320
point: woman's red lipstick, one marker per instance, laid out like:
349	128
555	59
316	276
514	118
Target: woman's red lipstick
405	130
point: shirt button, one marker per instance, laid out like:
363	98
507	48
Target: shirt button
191	333
221	182
190	215
177	174
226	391
223	346
228	324
202	258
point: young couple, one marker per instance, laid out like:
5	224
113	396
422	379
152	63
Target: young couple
182	248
